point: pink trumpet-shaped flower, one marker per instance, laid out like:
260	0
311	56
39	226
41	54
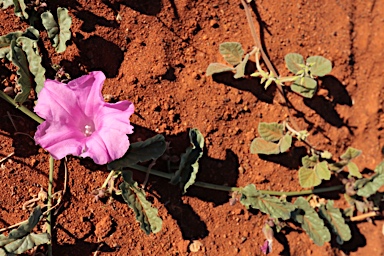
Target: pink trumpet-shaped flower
79	122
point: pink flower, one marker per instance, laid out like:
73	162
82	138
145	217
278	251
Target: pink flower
78	122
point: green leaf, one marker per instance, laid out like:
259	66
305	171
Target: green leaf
30	48
20	9
310	221
305	86
27	242
309	161
26	228
215	68
261	146
271	131
141	151
232	52
5	43
240	69
322	171
19	59
372	185
354	170
294	62
336	167
272	206
319	66
350	154
189	163
6	3
335	218
308	178
136	200
285	143
58	33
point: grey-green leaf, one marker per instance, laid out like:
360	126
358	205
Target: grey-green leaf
30	48
308	178
65	22
309	161
136	200
374	183
240	69
294	62
319	66
20	9
6	3
215	68
189	163
350	154
232	52
310	221
322	170
142	151
273	206
305	86
354	170
285	143
270	131
27	242
26	228
19	59
335	218
261	146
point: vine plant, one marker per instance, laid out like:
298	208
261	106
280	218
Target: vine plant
311	213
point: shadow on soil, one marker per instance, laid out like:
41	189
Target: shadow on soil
211	171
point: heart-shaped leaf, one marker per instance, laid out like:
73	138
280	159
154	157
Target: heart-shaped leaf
232	52
319	66
294	62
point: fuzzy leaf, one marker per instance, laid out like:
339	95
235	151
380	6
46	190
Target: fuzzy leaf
336	220
270	131
371	186
215	68
5	42
354	170
240	69
322	171
19	59
293	62
29	46
232	52
312	224
59	33
141	151
20	9
305	86
26	243
272	206
189	165
319	66
261	146
350	154
136	200
285	143
6	3
336	167
309	161
308	178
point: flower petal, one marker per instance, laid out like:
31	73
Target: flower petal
87	89
105	146
115	117
60	140
55	104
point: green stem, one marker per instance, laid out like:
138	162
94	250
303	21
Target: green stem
21	108
231	189
108	178
49	217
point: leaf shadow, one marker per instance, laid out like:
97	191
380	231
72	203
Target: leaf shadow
108	60
210	170
336	90
91	20
249	84
290	159
147	7
357	241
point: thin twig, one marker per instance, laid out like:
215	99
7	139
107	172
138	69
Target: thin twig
148	172
49	217
8	156
10	118
363	216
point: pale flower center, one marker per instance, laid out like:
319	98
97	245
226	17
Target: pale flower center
88	130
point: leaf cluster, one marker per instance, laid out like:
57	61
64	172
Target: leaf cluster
314	66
